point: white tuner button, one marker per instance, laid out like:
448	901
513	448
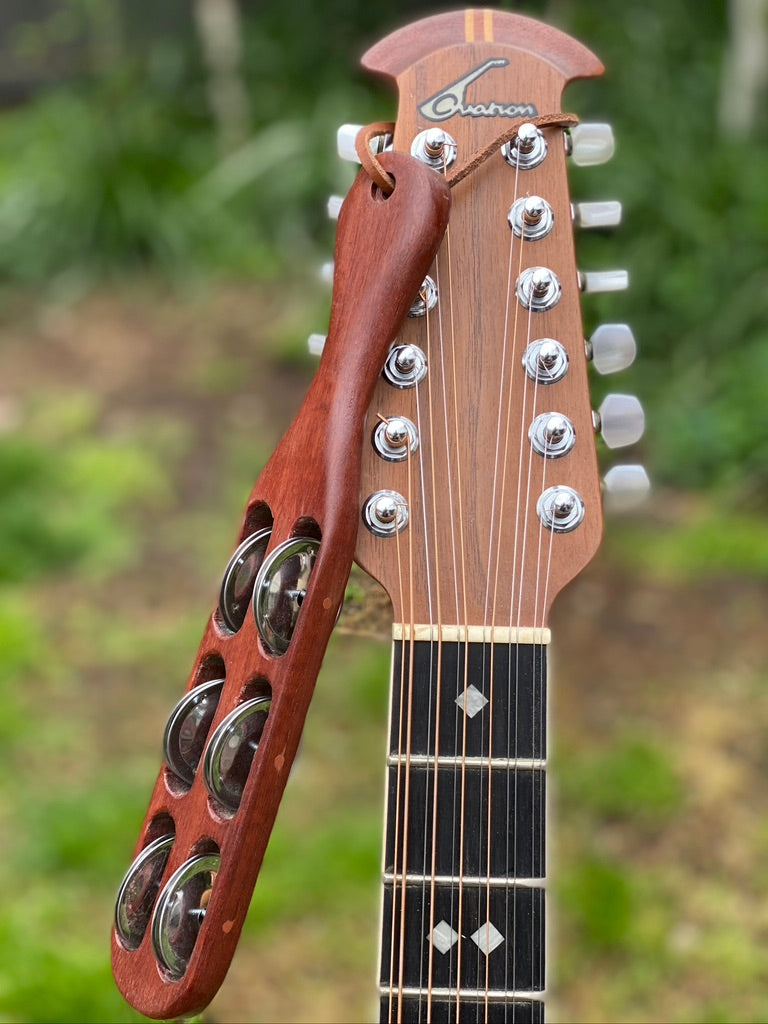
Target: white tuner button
596	281
626	487
612	348
603	214
326	272
621	420
334	206
591	144
316	344
346	137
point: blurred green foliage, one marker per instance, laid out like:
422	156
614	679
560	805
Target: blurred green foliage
630	779
65	495
120	170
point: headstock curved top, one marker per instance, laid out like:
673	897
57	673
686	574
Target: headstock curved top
474	551
408	46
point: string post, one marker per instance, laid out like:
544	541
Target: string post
533	210
436	148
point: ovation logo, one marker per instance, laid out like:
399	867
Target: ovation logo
453	99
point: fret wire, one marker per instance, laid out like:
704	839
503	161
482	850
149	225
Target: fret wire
443	1011
412	628
412	878
494	995
449	761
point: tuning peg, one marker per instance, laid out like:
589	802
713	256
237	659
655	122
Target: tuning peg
603	214
326	272
346	137
595	281
626	487
316	344
334	206
590	144
620	420
612	348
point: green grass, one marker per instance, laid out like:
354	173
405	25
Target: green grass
711	540
630	779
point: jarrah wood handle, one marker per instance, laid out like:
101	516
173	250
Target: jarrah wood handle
310	487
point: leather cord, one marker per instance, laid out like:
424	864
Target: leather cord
386	182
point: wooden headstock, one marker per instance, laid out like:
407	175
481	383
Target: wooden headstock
475	551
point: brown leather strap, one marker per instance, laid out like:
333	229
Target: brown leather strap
510	133
375	171
386	182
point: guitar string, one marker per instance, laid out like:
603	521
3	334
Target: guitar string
516	610
505	464
538	695
543	728
397	789
461	618
409	729
500	519
455	578
438	693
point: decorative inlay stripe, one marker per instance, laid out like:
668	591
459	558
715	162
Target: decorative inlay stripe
488	25
471	634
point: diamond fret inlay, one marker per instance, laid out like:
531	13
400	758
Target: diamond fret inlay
443	937
487	938
471	701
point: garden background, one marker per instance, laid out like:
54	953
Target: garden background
163	175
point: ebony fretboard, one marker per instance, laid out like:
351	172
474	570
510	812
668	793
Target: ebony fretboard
469	923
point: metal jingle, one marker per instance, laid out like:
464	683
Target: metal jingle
232	749
279	591
181	911
187	729
138	892
240	577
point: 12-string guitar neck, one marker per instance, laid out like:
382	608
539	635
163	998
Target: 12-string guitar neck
447	444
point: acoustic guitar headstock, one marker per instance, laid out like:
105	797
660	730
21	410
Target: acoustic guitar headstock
495	504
